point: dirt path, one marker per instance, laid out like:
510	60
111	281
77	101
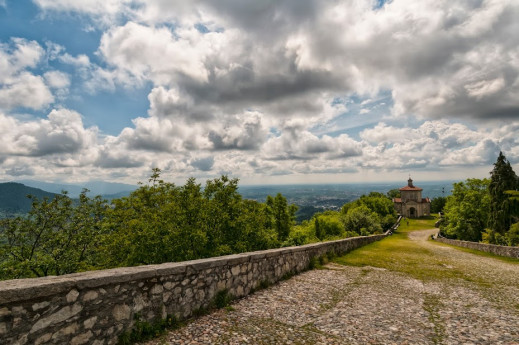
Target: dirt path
423	293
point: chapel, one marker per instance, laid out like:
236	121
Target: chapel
411	204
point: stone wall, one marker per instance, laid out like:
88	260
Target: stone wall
96	307
511	252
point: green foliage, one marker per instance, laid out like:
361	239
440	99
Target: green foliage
57	237
485	210
362	221
467	210
512	236
319	232
142	330
331	225
393	193
380	211
438	204
281	216
14	200
161	222
222	299
502	207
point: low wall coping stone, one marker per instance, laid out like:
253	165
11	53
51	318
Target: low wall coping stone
24	289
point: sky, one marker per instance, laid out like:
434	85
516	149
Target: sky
294	91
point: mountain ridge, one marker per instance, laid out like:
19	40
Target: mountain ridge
14	200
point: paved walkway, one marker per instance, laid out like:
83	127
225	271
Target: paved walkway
369	305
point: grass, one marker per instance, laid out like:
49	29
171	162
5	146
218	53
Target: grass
481	253
424	223
432	306
398	253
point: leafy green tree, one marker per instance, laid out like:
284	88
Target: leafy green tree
512	236
145	227
393	193
467	210
282	215
330	224
438	203
377	203
57	237
319	232
502	208
362	220
255	235
224	207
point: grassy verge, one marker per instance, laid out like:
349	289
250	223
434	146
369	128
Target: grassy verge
481	253
424	223
398	253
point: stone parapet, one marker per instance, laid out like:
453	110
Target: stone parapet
511	252
96	307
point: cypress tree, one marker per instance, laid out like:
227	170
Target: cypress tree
503	178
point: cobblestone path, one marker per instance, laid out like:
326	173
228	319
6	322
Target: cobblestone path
475	300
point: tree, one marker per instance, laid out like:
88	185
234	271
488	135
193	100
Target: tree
377	203
282	215
438	203
467	210
393	193
224	206
57	237
319	233
145	227
362	220
502	178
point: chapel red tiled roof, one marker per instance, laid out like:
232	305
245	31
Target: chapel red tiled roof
410	188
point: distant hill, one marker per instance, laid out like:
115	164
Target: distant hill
14	200
106	189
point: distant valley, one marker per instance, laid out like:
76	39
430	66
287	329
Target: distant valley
310	198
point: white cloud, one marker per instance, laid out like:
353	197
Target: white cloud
26	90
154	53
19	87
57	79
81	60
244	86
61	133
295	143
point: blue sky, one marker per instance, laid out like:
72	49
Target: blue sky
295	92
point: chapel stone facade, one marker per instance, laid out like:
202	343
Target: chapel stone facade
411	204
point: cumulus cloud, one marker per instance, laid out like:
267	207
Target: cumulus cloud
295	143
18	87
101	12
439	58
57	79
62	132
245	132
155	53
257	87
203	164
26	90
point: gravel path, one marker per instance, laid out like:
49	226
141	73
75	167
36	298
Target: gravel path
368	305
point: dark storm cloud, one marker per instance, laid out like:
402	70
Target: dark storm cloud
252	89
203	164
113	161
266	19
20	171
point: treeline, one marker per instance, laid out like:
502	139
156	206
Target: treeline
161	222
370	214
485	210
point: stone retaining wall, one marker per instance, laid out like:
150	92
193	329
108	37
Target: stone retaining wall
511	252
97	307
